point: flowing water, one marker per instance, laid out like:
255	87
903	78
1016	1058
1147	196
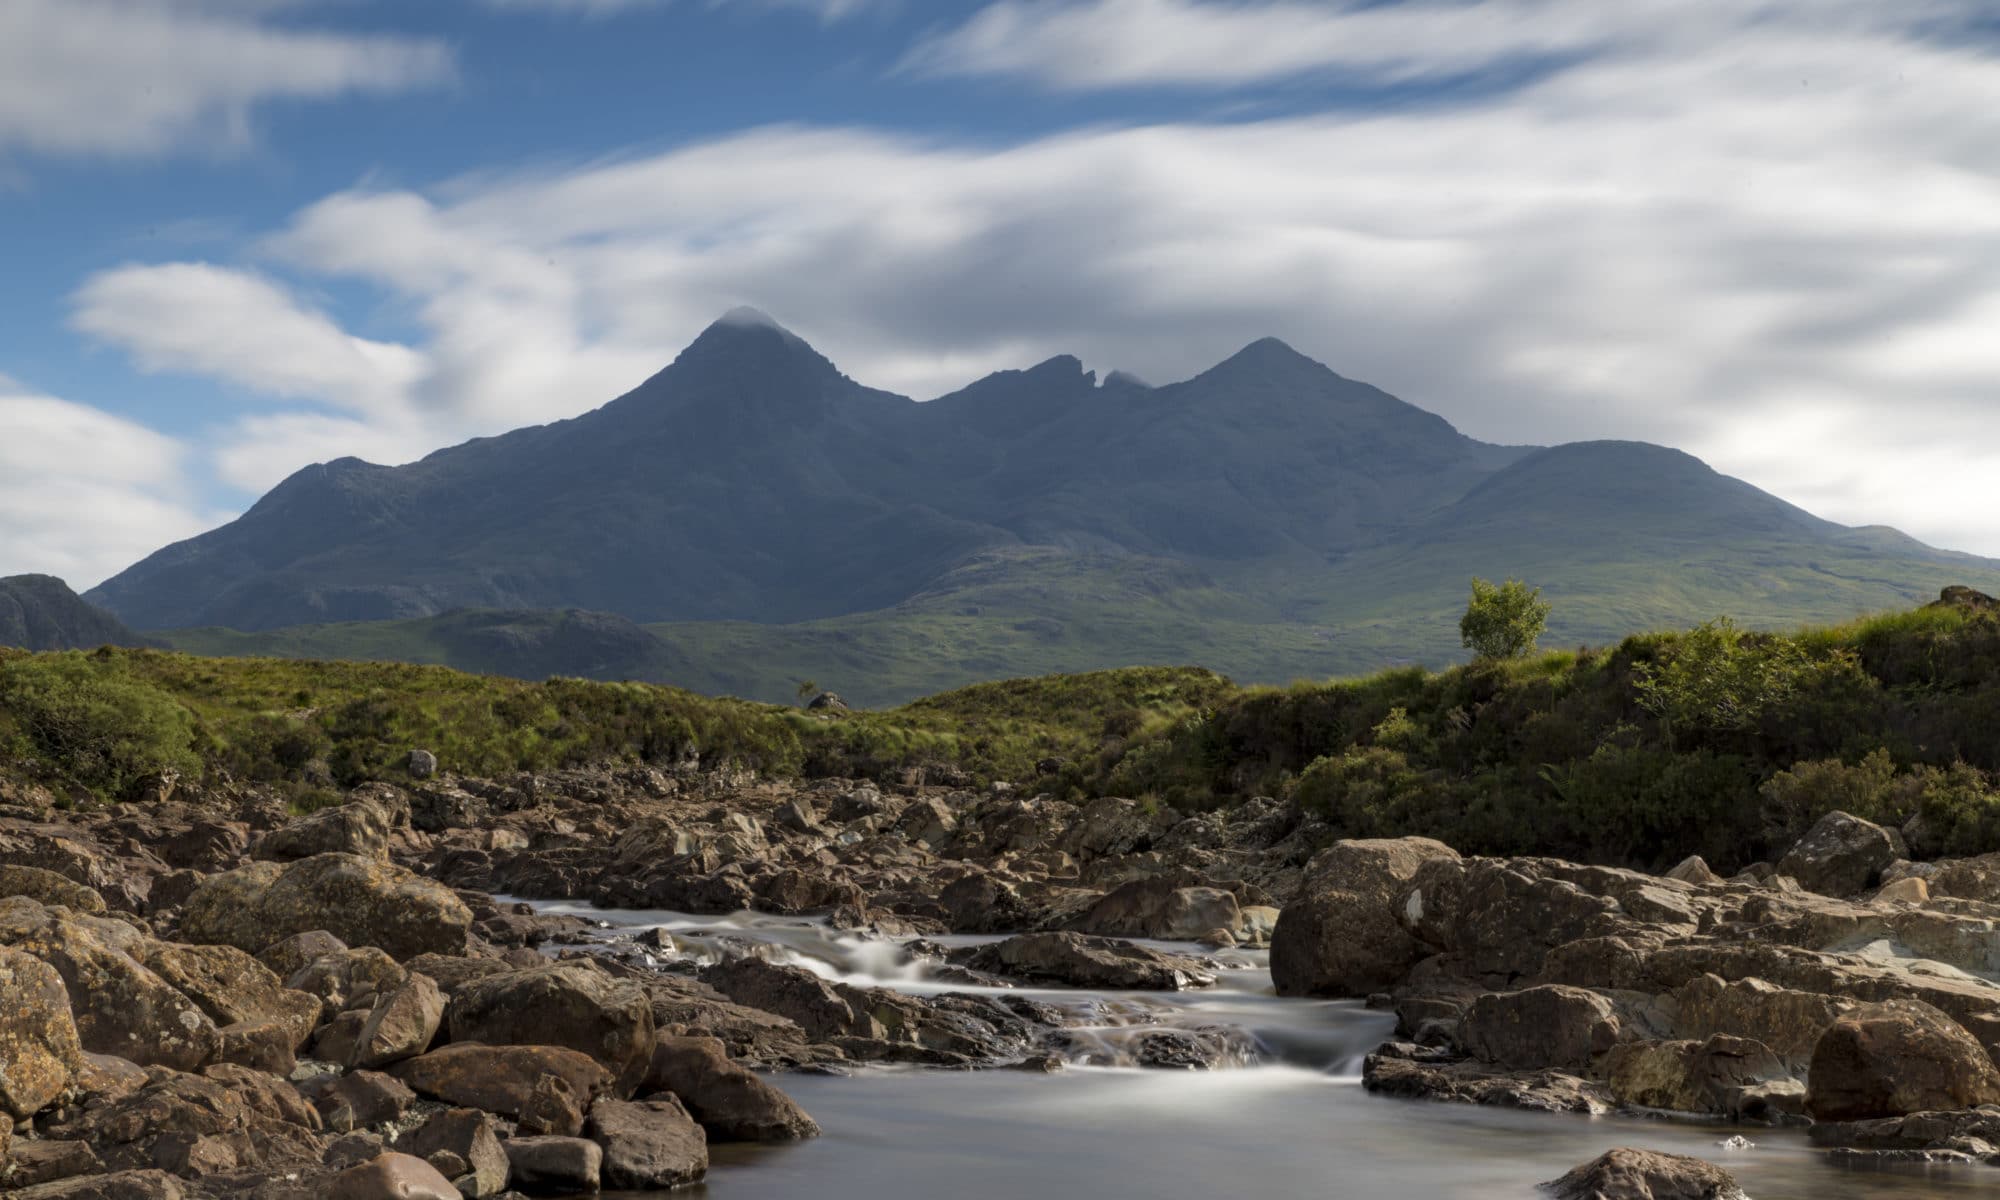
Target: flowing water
1295	1122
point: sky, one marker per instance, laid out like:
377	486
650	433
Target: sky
241	236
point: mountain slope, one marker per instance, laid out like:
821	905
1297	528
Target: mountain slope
40	612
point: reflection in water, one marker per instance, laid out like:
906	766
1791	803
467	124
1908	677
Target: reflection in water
1295	1124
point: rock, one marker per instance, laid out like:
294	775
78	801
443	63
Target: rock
360	901
234	989
979	903
287	956
647	1144
1842	855
452	975
1897	1057
1080	960
421	764
1693	869
1547	1026
1415	1073
464	1140
1624	1174
40	1055
120	1006
1340	936
545	1088
1724	1076
564	1004
390	1177
731	1103
357	1100
1156	908
1910	889
45	1161
344	979
47	887
194	1126
124	1185
360	827
402	1023
827	702
555	1165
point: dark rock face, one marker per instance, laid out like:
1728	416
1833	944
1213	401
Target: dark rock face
1624	1174
1340	936
729	1102
462	1145
40	612
1842	855
357	1100
360	901
567	1004
647	1144
1080	960
553	1165
1895	1058
1546	1026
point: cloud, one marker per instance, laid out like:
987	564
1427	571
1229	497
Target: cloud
149	77
83	494
826	10
1770	241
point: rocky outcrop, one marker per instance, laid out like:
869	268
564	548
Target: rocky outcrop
361	901
1625	1174
1895	1058
1341	936
1079	960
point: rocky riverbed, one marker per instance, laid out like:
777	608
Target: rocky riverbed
470	987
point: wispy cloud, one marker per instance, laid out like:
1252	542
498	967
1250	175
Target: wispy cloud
1753	246
826	10
153	77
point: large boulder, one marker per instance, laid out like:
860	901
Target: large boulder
1625	1174
1340	936
648	1145
362	827
194	1126
1842	855
1080	960
390	1177
39	1051
545	1088
121	1185
234	989
1160	908
731	1103
1500	918
348	979
359	900
1723	1076
464	1146
1897	1057
573	1004
401	1024
47	887
1539	1027
563	1166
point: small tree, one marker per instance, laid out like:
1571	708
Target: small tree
808	688
1504	620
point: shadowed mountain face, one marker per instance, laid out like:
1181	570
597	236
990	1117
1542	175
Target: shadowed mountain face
40	612
768	518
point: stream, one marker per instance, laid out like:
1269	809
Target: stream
1295	1122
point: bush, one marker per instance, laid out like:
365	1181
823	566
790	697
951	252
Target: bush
87	720
1503	621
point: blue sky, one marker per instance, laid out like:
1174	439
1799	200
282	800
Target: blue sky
244	235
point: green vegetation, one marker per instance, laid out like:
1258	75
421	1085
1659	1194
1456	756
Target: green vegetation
104	727
1503	620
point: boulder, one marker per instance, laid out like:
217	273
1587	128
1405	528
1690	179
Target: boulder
1340	936
361	827
649	1144
195	1126
464	1147
45	1161
1724	1076
1693	869
1080	960
1539	1027
390	1177
233	988
361	901
123	1185
730	1102
286	956
47	887
421	764
357	1100
1157	908
545	1088
40	1055
344	979
1842	855
1897	1057
1625	1174
554	1165
573	1004
402	1023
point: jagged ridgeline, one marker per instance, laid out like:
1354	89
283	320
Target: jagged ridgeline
1712	740
750	517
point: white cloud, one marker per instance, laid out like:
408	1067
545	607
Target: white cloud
1719	225
826	10
146	77
84	494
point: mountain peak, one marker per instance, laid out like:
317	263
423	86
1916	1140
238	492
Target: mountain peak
743	316
1267	356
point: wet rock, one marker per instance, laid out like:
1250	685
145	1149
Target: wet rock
357	1100
390	1177
1415	1073
1080	960
1724	1076
1159	908
1624	1174
1842	855
1894	1058
1919	1131
1341	935
47	887
545	1088
361	827
1547	1026
40	1055
566	1004
647	1144
464	1147
360	901
401	1024
731	1103
551	1165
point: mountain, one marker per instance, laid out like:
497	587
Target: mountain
40	612
766	518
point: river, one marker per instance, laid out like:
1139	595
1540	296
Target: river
1294	1123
